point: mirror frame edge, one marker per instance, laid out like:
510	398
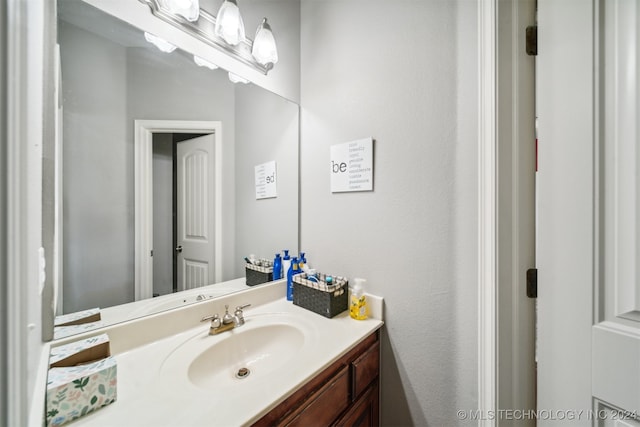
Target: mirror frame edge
49	167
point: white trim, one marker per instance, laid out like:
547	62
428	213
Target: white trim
58	235
15	188
487	227
143	154
24	67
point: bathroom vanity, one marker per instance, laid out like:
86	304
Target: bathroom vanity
284	366
344	394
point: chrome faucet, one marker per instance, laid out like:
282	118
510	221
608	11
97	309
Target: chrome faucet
227	322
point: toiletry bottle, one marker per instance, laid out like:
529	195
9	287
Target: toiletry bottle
277	267
358	308
293	270
301	262
311	275
286	264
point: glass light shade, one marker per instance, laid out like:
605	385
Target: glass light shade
204	63
188	9
237	79
264	46
160	43
229	23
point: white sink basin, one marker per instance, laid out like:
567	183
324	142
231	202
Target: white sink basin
264	347
260	351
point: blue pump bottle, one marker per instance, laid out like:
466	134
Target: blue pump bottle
277	267
293	270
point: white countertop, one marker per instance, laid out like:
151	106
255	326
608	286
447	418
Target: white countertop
152	393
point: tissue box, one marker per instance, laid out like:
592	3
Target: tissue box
82	378
78	318
66	331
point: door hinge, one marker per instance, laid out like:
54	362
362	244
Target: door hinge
532	283
151	252
532	40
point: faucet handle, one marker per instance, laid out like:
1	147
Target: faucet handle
215	320
239	315
227	318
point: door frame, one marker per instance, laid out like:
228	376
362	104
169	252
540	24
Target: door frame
143	187
506	211
487	215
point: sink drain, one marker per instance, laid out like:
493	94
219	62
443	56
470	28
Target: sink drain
243	373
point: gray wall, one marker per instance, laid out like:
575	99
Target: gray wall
266	226
405	73
98	262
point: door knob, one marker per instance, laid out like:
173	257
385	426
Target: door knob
179	249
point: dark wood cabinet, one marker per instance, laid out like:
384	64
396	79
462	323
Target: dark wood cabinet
365	411
344	394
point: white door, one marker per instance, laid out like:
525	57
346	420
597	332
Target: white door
588	251
195	213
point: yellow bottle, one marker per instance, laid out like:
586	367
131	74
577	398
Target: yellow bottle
358	308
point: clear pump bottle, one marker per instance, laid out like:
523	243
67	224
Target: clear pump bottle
358	308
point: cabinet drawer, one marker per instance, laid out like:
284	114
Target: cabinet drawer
365	369
326	404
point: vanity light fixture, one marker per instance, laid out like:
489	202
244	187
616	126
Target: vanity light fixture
204	63
229	25
160	43
224	32
264	46
237	79
188	9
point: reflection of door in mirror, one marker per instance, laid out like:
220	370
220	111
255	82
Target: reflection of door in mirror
183	185
195	161
178	167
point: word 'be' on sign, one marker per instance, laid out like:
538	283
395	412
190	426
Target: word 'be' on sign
352	166
266	181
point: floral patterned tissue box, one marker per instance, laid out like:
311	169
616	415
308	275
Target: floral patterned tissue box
82	378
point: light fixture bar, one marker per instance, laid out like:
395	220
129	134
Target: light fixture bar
203	29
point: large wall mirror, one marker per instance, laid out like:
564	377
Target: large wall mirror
205	135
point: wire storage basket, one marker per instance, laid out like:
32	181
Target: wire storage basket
256	274
319	297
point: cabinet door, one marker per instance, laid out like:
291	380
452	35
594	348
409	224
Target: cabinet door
365	412
326	405
365	369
